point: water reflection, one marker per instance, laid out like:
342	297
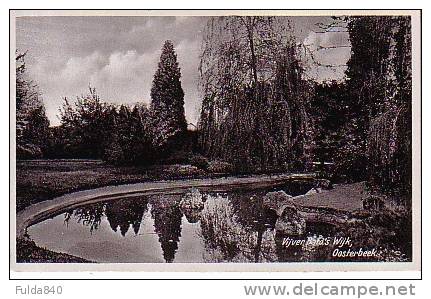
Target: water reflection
90	216
125	213
167	224
194	227
237	229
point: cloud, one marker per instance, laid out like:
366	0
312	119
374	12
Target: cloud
119	55
121	77
127	76
77	69
329	48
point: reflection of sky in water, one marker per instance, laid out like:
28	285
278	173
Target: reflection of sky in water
105	245
226	228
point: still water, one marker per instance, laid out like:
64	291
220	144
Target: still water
230	227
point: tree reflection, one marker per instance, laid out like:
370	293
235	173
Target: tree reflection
233	228
253	216
167	224
191	205
120	213
237	228
124	213
90	215
235	232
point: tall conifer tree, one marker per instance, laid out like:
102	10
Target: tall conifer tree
167	100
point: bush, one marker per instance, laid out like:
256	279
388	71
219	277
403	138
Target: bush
177	170
114	153
388	229
188	170
28	151
220	167
199	161
178	157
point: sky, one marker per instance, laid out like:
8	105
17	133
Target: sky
119	55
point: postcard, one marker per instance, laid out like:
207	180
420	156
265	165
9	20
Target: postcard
215	140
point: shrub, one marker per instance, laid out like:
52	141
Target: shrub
28	151
188	170
178	157
175	171
199	161
114	153
220	167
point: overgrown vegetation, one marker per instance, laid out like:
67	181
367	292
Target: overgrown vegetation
118	134
260	113
255	98
363	124
31	121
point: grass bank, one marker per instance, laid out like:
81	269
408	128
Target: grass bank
40	180
28	252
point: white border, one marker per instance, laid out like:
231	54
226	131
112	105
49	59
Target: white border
274	268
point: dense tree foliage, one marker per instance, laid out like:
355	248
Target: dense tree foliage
363	124
379	84
121	134
31	121
254	111
167	102
330	114
258	112
85	125
131	139
93	129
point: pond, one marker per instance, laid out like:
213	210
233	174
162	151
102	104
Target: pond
211	228
229	227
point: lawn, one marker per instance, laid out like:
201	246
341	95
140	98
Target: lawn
39	180
28	252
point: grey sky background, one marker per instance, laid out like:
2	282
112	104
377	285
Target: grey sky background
119	55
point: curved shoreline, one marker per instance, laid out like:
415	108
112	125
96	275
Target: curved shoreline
43	210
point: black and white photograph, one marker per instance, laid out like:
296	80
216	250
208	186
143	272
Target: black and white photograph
202	139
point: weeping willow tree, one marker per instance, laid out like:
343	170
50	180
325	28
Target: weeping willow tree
389	152
31	120
380	80
254	110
